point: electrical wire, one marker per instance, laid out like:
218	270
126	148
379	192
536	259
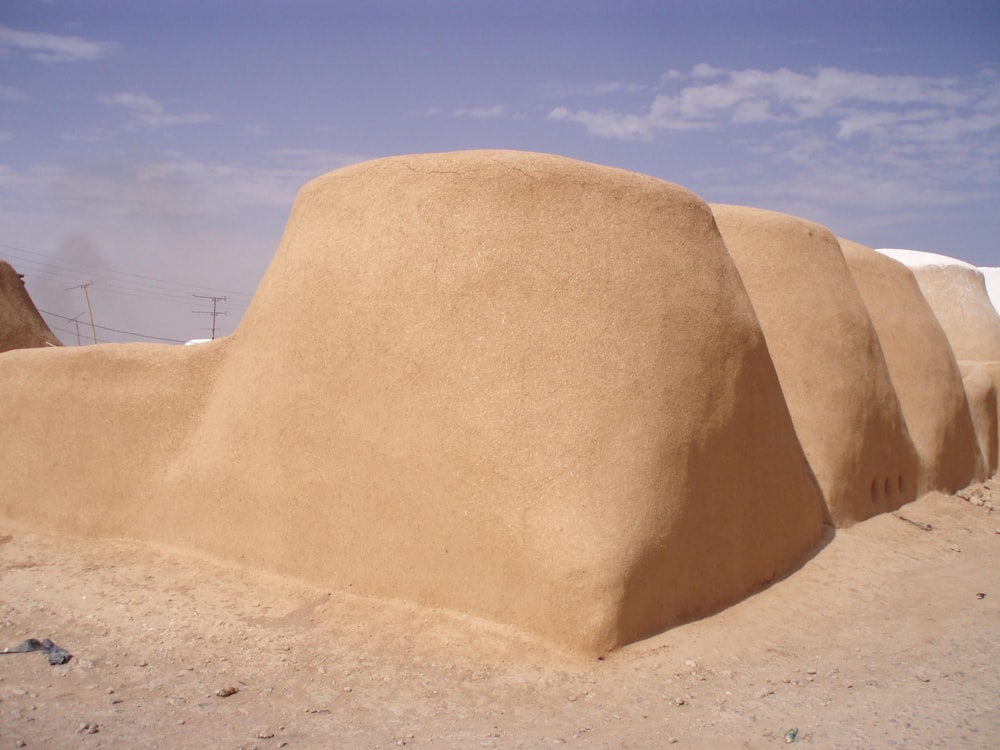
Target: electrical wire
116	330
67	271
63	330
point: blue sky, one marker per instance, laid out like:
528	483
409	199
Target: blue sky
155	148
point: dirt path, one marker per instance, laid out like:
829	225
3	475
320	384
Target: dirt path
881	640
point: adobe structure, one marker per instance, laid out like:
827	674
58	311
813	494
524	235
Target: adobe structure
959	296
21	326
923	369
956	291
992	278
982	385
541	394
829	360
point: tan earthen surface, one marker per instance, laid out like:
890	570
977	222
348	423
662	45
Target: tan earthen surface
88	432
508	384
518	386
982	385
880	640
923	369
828	358
957	294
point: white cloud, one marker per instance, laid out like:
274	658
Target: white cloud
598	88
150	112
51	48
874	140
826	143
701	70
614	125
715	97
483	113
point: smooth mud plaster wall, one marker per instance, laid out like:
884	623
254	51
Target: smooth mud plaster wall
982	384
508	384
992	278
87	433
957	294
923	370
828	359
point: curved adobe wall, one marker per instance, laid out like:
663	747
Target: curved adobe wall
510	384
828	358
992	278
956	292
982	384
923	370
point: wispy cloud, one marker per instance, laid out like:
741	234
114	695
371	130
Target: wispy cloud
597	88
497	111
52	48
484	112
714	97
146	110
876	141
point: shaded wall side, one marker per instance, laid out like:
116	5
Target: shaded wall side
828	358
21	325
923	369
982	384
778	498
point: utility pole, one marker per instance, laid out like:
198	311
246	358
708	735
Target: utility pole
77	321
214	313
93	328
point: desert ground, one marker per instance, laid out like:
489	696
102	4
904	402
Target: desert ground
886	637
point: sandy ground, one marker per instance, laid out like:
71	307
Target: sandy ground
883	639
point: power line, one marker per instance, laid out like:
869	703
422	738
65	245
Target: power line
116	330
95	270
48	270
159	294
57	271
62	330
